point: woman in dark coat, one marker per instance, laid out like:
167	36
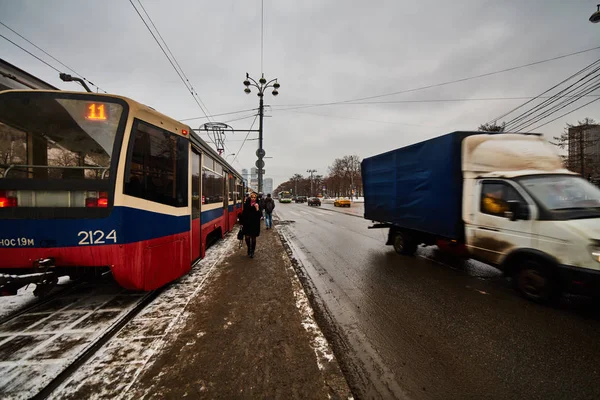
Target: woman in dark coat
250	220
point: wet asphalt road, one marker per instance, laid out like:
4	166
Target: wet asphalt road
415	327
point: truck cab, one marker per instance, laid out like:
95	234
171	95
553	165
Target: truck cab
526	214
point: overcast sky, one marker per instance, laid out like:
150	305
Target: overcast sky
321	52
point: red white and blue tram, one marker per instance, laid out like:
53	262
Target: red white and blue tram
91	183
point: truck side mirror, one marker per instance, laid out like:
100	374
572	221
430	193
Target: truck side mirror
517	210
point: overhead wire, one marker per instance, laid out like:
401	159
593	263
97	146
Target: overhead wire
565	114
557	107
30	53
563	93
191	87
578	88
48	54
360	119
241	118
167	56
244	142
450	82
543	93
219	115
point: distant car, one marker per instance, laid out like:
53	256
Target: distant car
342	202
314	201
300	199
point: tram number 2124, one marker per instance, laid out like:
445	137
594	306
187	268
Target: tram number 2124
97	237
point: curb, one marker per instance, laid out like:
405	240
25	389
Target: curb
325	324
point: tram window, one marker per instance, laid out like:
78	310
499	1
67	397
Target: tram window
218	169
230	187
195	185
212	187
208	162
157	166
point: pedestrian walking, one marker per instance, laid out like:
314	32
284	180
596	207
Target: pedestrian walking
250	220
269	206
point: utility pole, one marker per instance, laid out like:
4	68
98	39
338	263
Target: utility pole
261	85
581	149
311	171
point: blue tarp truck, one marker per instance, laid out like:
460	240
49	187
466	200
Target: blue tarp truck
490	196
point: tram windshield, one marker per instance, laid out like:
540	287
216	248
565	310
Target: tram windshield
55	136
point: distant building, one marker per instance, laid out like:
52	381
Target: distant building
245	175
268	185
254	178
586	139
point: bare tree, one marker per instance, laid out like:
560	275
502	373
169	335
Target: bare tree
492	127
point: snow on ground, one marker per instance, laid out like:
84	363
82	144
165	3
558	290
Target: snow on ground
40	343
114	369
23	298
317	339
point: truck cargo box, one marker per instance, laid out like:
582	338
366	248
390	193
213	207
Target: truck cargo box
418	187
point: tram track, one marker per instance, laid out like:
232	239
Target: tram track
38	302
42	345
92	349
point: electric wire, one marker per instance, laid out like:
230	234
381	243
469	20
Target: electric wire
554	109
452	81
219	115
30	53
578	85
50	55
558	95
168	58
551	110
244	142
543	93
191	87
565	114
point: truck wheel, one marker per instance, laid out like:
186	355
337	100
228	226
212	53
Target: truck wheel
403	245
536	282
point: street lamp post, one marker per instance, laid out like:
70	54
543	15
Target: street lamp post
261	85
311	171
229	155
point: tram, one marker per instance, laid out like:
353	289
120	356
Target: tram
91	183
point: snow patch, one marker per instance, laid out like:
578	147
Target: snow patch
317	339
115	368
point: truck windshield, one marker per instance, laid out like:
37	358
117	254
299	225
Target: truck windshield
53	136
563	192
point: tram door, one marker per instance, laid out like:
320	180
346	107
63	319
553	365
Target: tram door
226	201
195	234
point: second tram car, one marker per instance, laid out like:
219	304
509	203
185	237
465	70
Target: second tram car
93	182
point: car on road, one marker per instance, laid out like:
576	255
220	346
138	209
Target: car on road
300	199
314	201
342	202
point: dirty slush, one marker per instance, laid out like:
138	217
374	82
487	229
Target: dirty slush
245	337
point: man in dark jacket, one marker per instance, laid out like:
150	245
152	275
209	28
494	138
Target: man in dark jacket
269	206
